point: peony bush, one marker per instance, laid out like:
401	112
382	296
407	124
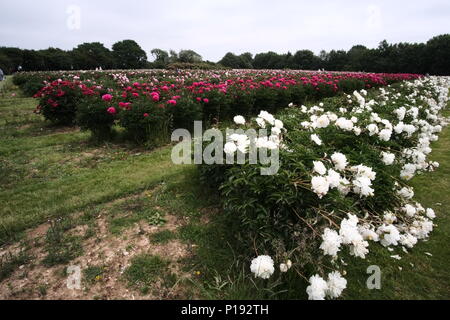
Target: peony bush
342	186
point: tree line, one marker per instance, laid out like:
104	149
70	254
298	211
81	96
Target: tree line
432	57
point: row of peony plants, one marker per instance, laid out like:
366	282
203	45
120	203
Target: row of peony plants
342	186
149	108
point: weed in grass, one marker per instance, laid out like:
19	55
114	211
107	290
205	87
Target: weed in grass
42	290
61	247
155	218
162	237
136	210
193	233
10	262
147	269
93	274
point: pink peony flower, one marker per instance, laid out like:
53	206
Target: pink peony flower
146	115
206	100
172	102
112	110
155	96
107	97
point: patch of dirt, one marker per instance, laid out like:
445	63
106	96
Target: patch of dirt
103	249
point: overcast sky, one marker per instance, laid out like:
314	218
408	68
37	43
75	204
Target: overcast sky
214	27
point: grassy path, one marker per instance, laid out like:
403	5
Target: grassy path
45	173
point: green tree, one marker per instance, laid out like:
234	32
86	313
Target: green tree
161	58
13	57
231	60
189	56
337	60
438	55
89	56
357	57
56	59
6	64
33	61
129	55
306	60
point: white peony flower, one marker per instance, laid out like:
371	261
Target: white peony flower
336	285
331	242
373	129
230	148
409	210
261	123
269	118
344	124
388	158
322	121
315	138
317	289
362	186
262	267
239	120
385	135
389	218
339	160
431	214
319	168
349	230
389	235
359	249
368	233
344	187
333	178
279	124
408	240
406	193
276	131
408	171
320	186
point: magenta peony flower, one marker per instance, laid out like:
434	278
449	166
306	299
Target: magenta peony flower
107	97
112	110
155	96
206	100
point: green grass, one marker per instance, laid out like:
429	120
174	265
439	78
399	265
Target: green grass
10	262
61	247
145	270
93	274
51	173
163	237
47	173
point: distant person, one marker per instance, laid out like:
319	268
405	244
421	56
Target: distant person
2	75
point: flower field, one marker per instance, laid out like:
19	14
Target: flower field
143	101
350	147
